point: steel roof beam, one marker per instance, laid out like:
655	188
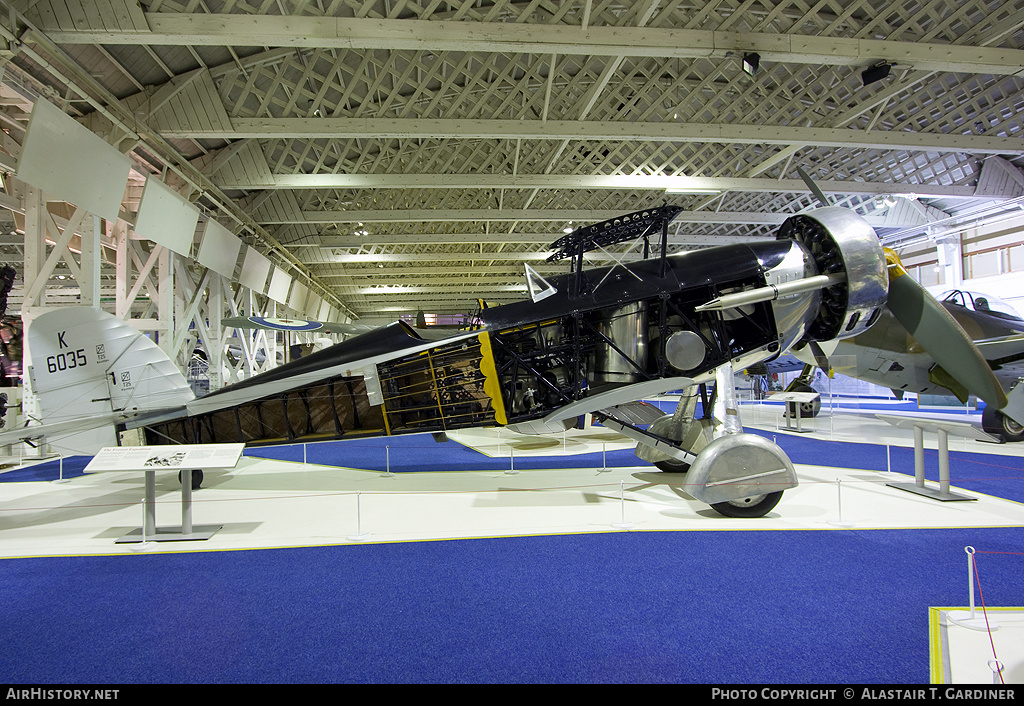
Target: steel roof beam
398	128
185	29
637	182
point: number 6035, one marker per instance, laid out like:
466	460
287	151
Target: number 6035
66	361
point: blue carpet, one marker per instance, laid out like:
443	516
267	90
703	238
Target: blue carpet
682	607
73	466
1001	476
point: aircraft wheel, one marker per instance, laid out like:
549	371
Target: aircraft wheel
197	478
754	506
995	422
807	409
672	466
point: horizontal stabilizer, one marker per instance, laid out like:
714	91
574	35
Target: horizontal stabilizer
59	434
90	368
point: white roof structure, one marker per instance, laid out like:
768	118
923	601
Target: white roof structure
413	155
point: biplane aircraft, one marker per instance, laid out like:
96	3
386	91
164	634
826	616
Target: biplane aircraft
591	341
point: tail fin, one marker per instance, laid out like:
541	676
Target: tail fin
88	364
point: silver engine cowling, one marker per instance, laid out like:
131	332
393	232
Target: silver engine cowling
841	242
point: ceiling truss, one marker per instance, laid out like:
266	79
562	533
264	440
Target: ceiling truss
397	155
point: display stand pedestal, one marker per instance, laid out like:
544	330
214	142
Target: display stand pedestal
943	429
183	459
793	401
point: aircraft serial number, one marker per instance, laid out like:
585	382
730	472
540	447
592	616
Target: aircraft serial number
66	361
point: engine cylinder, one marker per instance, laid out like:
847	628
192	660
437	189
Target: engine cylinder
840	241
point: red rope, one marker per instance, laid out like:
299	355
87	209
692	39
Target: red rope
1014	553
977	580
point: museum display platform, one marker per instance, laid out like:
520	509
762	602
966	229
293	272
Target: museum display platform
511	485
522	485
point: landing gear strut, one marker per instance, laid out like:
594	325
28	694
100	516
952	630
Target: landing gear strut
738	474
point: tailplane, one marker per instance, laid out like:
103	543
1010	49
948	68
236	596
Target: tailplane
90	366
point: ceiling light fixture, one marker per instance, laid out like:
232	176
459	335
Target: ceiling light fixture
750	62
708	192
875	73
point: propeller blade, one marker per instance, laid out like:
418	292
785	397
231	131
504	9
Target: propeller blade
939	334
813	187
819	357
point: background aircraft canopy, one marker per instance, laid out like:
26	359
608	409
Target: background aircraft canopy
977	301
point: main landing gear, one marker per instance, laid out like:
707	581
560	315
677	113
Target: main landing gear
736	473
998	424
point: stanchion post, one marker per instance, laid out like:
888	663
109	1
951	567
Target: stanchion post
969	620
839	496
970	576
943	462
145	520
604	457
60	471
919	456
359	536
511	462
622	524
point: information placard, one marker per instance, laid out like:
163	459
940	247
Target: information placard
155	458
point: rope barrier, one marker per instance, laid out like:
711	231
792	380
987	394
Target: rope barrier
680	484
984	612
514	468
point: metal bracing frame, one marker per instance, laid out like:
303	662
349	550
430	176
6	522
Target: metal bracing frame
202	299
143	284
80	234
245	302
515	367
198	307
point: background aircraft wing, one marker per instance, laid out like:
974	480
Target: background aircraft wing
300	325
1004	348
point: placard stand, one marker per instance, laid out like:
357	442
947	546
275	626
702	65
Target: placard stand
183	458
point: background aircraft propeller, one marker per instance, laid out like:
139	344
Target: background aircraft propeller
961	363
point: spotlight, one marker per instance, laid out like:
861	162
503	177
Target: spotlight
750	62
875	73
